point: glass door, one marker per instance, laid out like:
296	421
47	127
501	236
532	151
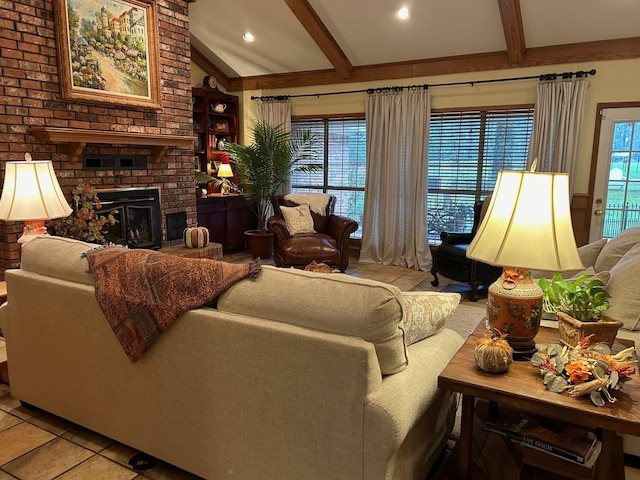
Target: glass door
616	199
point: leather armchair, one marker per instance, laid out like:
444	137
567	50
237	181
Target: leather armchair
450	257
329	243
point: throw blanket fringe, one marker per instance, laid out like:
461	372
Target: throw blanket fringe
142	292
317	201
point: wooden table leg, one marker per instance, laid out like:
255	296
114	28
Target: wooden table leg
611	459
466	437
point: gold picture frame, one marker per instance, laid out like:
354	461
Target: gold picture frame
108	52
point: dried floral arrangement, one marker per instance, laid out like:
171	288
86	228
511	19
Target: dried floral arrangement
84	223
584	369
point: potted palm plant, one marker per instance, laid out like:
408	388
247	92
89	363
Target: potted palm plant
264	166
579	306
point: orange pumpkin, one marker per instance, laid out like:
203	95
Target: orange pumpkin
195	237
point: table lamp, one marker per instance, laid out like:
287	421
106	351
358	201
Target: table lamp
527	226
225	172
31	193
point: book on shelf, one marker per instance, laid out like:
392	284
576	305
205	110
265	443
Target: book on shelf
566	440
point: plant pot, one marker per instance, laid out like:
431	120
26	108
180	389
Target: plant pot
260	243
572	330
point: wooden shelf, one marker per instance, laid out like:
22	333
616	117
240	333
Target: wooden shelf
78	138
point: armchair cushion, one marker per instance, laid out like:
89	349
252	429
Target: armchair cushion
298	219
426	312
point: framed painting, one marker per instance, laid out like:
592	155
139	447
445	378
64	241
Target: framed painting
108	51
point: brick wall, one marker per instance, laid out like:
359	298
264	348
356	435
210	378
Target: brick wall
30	96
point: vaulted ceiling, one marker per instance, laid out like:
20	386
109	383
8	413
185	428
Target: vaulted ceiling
319	42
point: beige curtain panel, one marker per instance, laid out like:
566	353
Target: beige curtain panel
395	218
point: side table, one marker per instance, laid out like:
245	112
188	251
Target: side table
521	388
212	250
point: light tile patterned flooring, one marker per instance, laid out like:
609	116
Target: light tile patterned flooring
36	445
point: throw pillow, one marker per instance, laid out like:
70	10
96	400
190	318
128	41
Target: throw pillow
588	255
615	248
426	312
624	291
298	219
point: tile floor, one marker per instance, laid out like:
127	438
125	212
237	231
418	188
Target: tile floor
35	445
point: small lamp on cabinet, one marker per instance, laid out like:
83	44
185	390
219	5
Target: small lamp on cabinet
225	172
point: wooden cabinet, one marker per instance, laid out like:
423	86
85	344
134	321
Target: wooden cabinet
215	122
227	217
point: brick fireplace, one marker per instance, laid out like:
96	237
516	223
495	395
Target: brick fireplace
30	88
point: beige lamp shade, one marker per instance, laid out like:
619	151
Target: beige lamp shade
225	170
31	192
528	224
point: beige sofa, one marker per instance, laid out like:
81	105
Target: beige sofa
294	375
617	260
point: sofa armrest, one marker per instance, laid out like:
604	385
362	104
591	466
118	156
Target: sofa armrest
456	238
341	228
278	227
410	401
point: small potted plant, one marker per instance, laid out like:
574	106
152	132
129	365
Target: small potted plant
579	306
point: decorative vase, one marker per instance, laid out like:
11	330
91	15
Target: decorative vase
573	330
514	307
260	243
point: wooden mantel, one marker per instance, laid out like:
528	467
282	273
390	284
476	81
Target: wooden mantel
78	138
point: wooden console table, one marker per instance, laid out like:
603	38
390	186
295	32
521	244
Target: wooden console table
521	388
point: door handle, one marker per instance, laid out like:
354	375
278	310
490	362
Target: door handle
598	212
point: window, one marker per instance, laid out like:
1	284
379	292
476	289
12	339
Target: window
342	152
466	151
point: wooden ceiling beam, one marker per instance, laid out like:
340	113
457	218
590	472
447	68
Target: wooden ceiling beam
618	49
203	62
310	20
513	30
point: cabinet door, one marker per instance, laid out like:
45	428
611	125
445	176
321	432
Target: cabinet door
211	215
236	226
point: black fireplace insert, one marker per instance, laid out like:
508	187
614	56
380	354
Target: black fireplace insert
137	211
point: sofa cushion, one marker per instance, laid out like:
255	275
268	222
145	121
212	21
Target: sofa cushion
329	302
426	312
615	248
57	257
624	291
298	219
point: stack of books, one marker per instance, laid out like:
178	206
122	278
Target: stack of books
571	442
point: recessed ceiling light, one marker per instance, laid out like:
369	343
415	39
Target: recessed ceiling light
248	37
403	13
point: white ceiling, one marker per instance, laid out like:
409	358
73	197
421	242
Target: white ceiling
368	33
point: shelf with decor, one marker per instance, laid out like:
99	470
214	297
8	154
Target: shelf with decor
215	123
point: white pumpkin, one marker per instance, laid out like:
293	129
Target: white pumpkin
195	237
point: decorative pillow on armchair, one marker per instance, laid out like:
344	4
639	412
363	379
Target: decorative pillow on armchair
298	219
426	312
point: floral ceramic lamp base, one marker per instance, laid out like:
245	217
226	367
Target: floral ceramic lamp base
514	307
32	229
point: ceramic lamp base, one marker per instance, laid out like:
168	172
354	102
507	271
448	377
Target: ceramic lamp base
514	307
32	229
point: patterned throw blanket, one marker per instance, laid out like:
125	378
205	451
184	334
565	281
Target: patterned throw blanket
141	292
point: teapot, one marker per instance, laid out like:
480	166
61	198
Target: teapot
220	107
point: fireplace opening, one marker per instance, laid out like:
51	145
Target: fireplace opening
137	212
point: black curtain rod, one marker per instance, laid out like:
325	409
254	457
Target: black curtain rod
543	77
